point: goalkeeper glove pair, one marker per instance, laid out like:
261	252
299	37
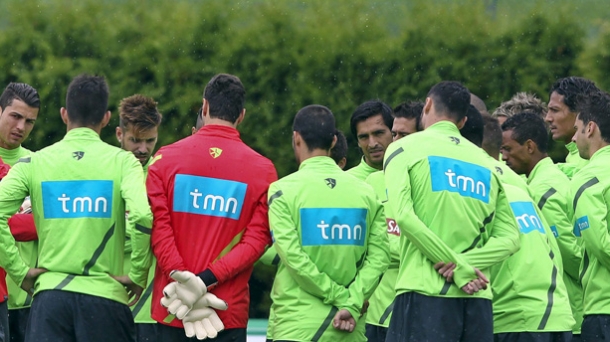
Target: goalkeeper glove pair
188	299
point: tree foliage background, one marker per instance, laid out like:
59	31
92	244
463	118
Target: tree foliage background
290	54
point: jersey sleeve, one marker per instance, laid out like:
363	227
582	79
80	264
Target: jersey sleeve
398	184
557	217
133	191
590	216
302	269
13	189
163	242
503	238
23	227
250	247
375	263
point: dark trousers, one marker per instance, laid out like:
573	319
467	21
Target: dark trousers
423	318
62	316
4	328
18	322
565	336
595	328
167	333
375	333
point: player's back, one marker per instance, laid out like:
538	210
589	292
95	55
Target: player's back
528	289
333	214
454	194
77	189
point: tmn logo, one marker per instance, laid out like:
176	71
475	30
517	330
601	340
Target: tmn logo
77	199
209	196
333	226
466	179
527	217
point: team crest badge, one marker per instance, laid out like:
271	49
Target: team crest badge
78	155
331	183
455	140
499	170
215	152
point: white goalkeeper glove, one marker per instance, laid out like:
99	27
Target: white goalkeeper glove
180	296
26	207
202	321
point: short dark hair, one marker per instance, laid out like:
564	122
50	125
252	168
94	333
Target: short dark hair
474	126
492	135
22	92
410	110
369	109
450	98
596	108
571	88
226	96
316	125
528	126
87	100
339	151
139	111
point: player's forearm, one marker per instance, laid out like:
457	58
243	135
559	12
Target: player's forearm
571	253
141	256
10	259
23	227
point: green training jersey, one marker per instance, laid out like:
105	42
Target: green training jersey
591	213
550	188
529	294
17	298
381	303
362	170
450	206
79	210
142	309
329	231
573	161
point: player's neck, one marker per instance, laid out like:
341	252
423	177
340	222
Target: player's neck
220	122
536	158
96	128
305	154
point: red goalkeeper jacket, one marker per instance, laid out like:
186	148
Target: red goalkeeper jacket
208	195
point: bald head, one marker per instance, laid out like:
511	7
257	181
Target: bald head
478	103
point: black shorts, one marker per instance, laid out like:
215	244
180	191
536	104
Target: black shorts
168	333
419	318
375	333
4	331
18	322
69	316
565	336
595	328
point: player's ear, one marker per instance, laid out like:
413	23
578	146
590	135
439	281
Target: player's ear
241	117
334	142
530	146
460	124
64	115
119	133
205	108
106	119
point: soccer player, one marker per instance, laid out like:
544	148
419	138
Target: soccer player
406	121
519	103
77	188
591	207
139	120
525	141
450	208
371	125
210	212
564	97
330	234
525	286
19	106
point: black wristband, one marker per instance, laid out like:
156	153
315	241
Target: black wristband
209	279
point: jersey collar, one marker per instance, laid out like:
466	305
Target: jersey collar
542	164
219	130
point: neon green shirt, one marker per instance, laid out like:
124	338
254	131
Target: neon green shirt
330	233
551	191
529	294
381	303
17	298
362	170
78	209
442	181
573	161
591	197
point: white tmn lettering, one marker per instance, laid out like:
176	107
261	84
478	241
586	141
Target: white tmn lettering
83	204
210	201
526	220
340	231
465	183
